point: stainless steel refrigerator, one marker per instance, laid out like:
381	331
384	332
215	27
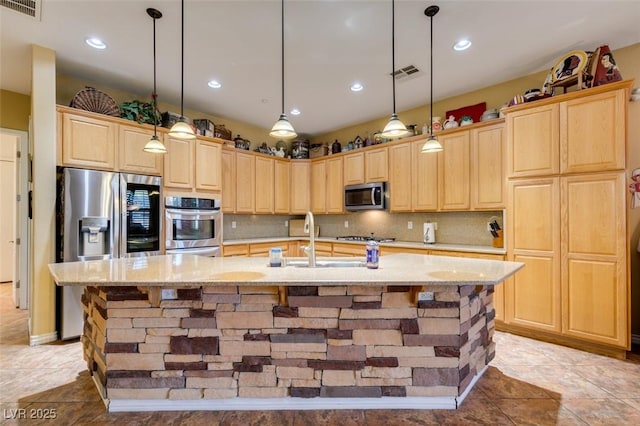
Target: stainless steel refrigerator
102	215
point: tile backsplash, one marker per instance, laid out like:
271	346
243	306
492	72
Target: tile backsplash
453	227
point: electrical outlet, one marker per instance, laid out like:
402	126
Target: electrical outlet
233	224
286	223
409	225
425	296
346	223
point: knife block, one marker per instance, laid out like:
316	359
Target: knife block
498	242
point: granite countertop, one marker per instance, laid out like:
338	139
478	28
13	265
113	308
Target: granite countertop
407	244
189	270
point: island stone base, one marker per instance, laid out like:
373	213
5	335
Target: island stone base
238	348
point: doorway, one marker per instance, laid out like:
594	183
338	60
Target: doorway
14	220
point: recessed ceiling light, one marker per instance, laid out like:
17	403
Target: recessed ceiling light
462	45
295	111
95	42
356	87
214	84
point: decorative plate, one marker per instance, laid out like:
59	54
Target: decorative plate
569	65
91	99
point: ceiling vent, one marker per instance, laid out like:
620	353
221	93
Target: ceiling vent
405	73
26	7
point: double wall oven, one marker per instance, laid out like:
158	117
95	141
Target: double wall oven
193	226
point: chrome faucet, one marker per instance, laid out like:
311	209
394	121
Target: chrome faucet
310	250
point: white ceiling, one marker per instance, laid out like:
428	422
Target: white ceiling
329	44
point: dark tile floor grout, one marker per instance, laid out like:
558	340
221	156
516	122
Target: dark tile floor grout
528	383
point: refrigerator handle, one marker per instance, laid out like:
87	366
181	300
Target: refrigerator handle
85	258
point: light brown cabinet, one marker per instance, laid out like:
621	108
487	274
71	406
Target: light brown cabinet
376	165
179	163
228	162
453	168
208	165
264	184
300	186
281	186
319	186
88	142
245	182
569	224
400	178
425	179
327	187
413	178
132	158
488	175
354	168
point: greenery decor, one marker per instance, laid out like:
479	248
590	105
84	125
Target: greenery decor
142	112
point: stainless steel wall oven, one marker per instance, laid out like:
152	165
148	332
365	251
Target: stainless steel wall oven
193	225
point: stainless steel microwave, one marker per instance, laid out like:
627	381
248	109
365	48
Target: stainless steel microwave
368	196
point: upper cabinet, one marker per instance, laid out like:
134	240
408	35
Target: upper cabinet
300	186
132	158
371	165
264	183
354	168
228	161
488	177
179	163
245	182
88	142
327	185
208	165
281	186
592	136
454	171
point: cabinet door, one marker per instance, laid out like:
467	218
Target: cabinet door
88	142
488	180
264	178
400	182
376	165
354	168
319	186
245	182
228	160
179	163
236	250
453	166
335	186
349	250
300	194
132	158
533	232
281	186
592	136
594	277
533	141
424	178
208	165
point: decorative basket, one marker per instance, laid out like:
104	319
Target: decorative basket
92	99
221	132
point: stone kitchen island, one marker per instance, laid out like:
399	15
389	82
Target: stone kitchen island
182	332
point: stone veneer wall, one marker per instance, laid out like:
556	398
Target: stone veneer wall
341	341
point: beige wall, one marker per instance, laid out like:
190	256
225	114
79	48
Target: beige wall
14	110
67	87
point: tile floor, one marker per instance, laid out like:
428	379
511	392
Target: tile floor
528	383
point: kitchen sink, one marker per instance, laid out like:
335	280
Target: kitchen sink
326	263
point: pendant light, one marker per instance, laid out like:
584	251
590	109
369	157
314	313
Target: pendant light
432	144
154	145
283	128
182	129
394	128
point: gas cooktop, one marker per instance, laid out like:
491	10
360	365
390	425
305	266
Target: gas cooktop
363	238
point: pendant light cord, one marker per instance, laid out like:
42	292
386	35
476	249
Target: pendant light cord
182	64
282	52
155	95
431	78
393	52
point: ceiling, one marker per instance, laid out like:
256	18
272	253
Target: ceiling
329	45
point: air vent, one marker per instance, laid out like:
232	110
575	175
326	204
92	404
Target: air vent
406	73
26	7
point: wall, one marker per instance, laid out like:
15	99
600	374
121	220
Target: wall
14	110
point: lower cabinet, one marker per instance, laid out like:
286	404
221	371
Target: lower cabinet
570	231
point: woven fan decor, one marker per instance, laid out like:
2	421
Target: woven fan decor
92	99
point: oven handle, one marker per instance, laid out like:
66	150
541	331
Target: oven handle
193	213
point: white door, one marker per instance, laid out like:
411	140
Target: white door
8	149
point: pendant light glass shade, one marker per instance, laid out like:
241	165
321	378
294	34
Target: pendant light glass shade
432	144
283	128
154	145
394	128
182	129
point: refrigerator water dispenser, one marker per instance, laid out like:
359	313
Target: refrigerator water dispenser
94	237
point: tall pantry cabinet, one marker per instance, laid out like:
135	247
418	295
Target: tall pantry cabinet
566	219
